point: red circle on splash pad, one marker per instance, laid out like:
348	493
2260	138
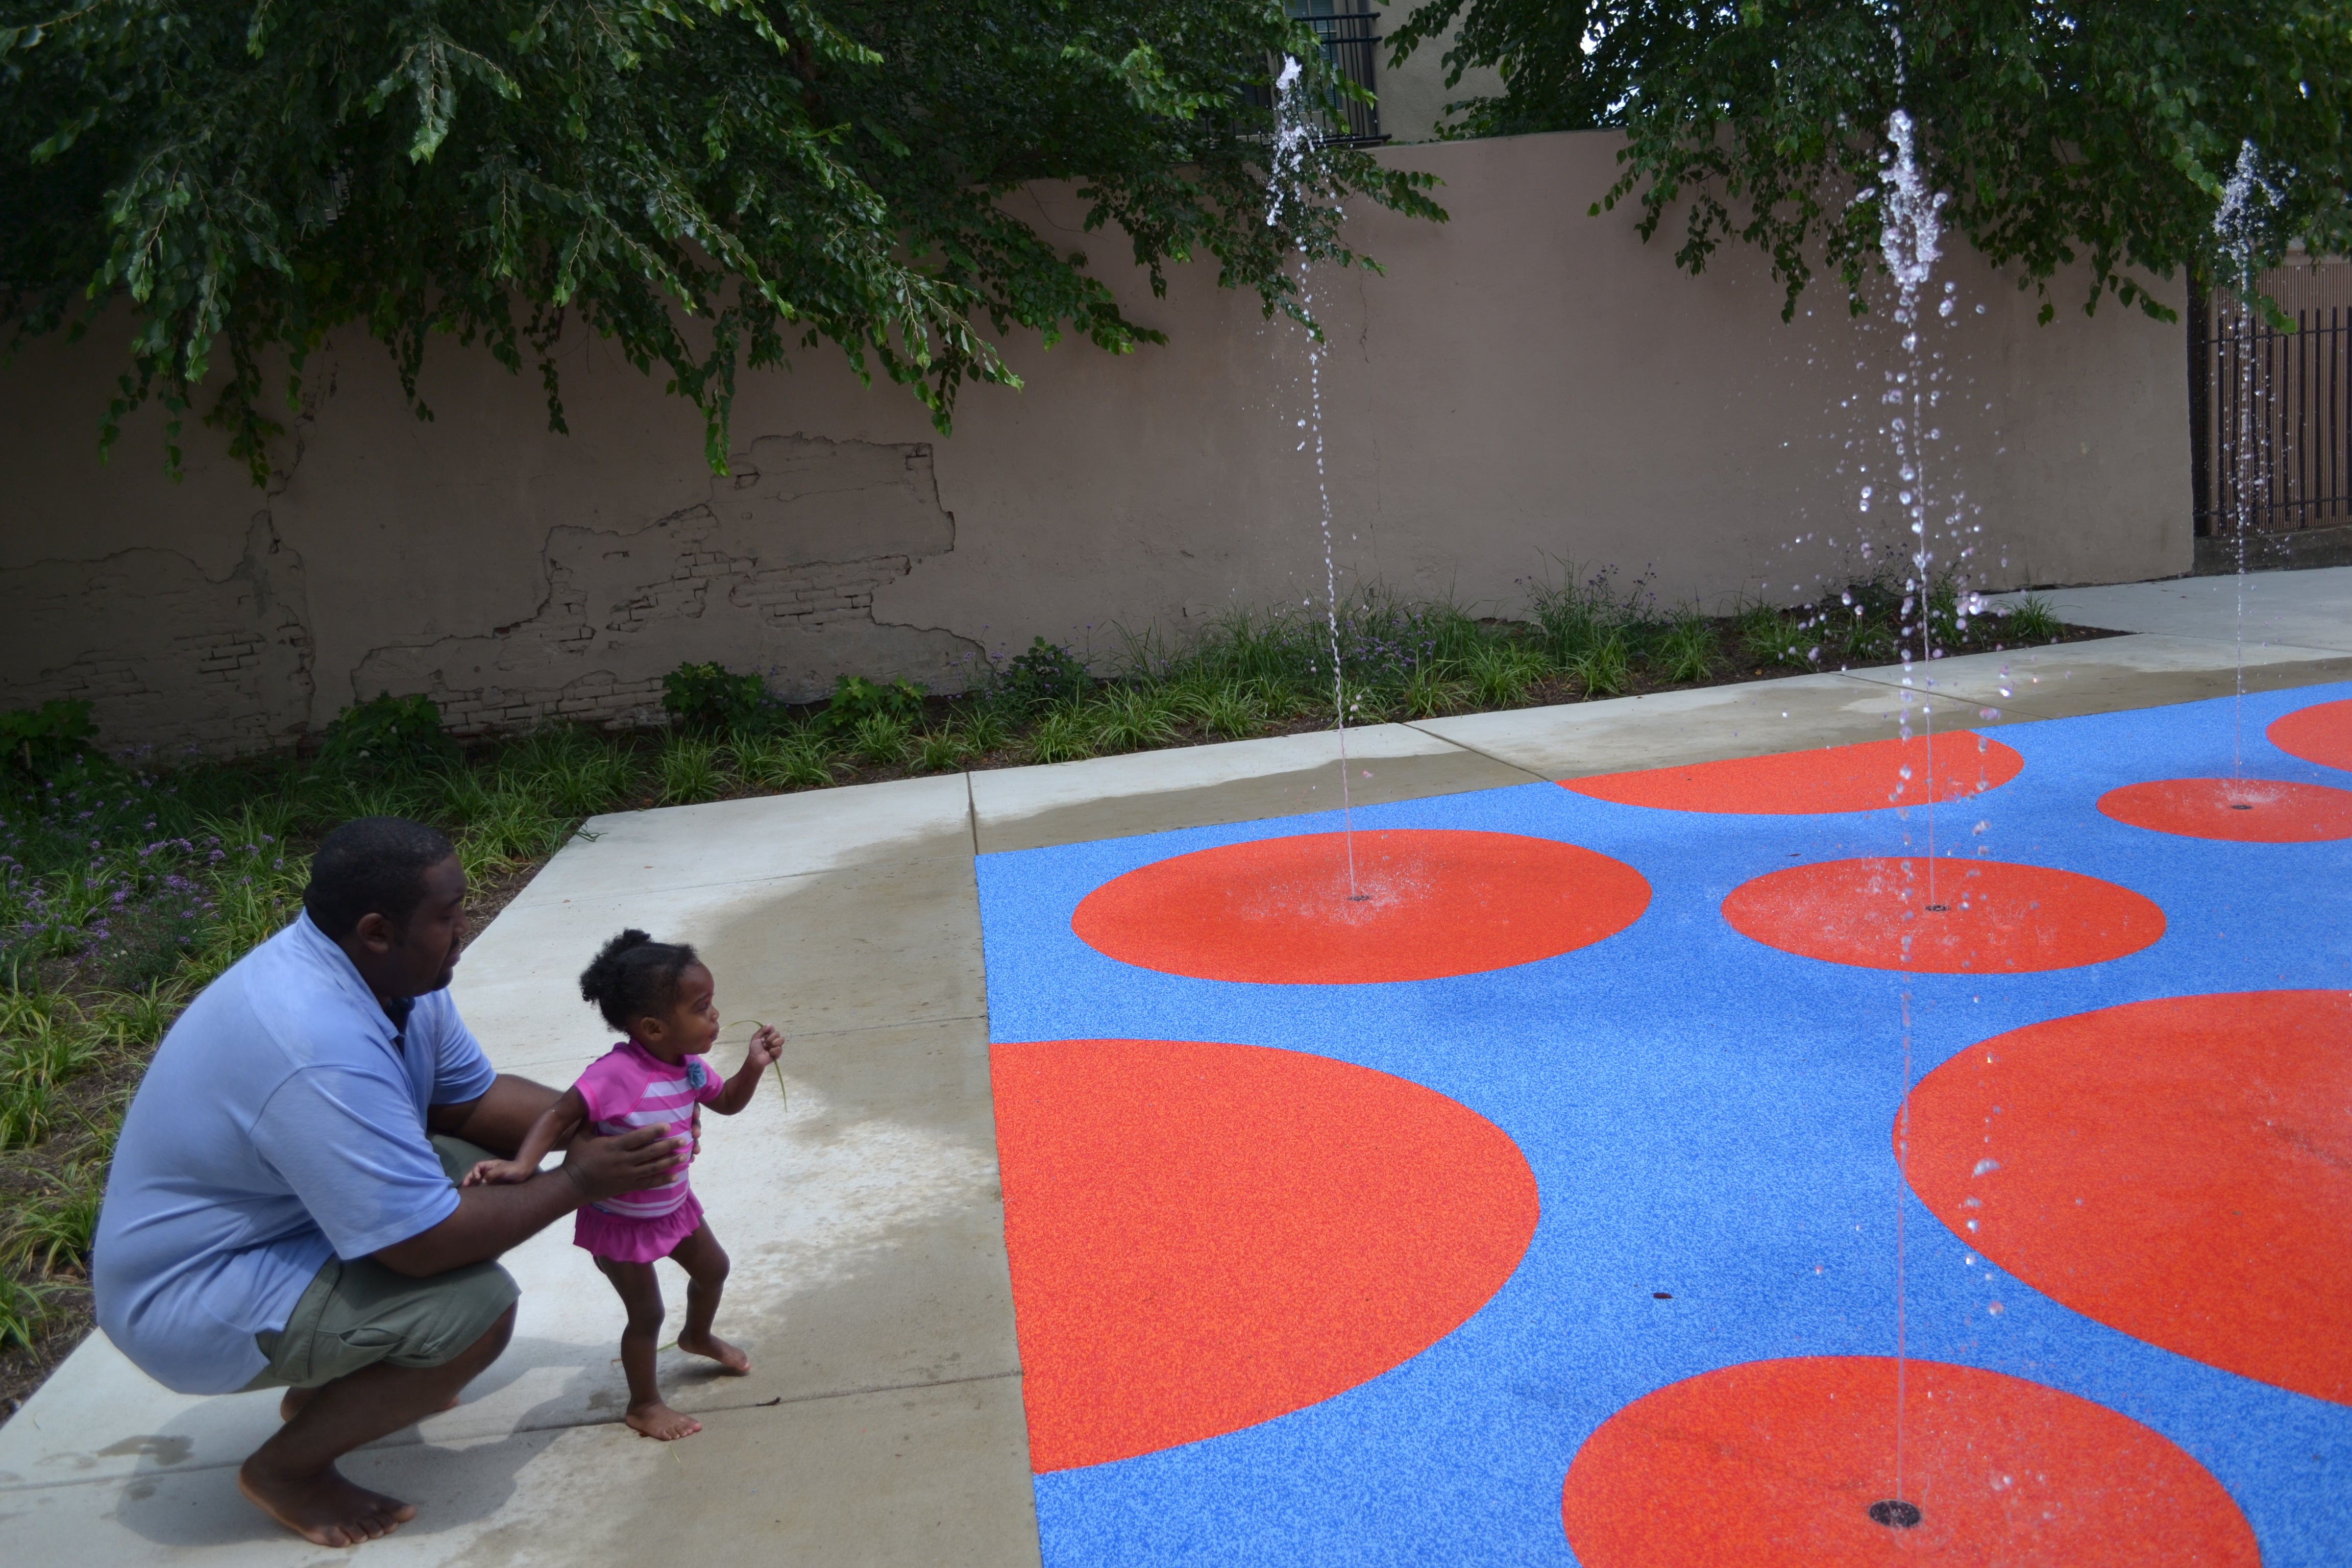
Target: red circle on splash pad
2178	1170
2321	733
1996	918
1436	902
1775	1464
1206	1236
2244	811
1865	777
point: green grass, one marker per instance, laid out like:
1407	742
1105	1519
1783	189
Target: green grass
1133	718
1062	735
801	759
53	1234
1228	710
881	740
26	1308
691	770
1501	674
2031	620
1690	649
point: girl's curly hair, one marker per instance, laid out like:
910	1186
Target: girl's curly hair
635	977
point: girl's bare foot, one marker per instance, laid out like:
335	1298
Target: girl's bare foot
732	1362
323	1509
659	1421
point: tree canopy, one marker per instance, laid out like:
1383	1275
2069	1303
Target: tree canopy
2102	131
710	183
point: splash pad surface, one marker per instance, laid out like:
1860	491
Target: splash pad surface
1398	904
1862	777
2245	811
1225	1234
1788	1456
1974	917
1708	1124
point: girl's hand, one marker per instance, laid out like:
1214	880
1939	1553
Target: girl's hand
766	1045
497	1173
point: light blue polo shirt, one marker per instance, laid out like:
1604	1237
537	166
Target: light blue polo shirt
282	1121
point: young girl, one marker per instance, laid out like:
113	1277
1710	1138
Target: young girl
661	993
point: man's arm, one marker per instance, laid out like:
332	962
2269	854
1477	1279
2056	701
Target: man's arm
499	1118
488	1220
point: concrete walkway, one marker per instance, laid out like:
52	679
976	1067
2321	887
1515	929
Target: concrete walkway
882	1423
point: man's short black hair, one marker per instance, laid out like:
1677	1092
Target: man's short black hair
372	866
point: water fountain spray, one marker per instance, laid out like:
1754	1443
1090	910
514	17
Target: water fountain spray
1910	240
1293	134
2246	201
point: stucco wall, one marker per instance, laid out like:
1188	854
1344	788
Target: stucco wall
1526	385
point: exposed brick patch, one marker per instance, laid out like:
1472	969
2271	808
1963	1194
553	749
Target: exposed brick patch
165	655
777	571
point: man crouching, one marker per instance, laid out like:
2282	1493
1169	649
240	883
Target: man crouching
283	1210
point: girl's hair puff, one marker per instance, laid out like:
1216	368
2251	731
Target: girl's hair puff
635	977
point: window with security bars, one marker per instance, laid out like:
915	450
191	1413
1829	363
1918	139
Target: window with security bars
1350	33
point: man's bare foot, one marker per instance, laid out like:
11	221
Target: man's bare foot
659	1421
298	1397
732	1362
325	1510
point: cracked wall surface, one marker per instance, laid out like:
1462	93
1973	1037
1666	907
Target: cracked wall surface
166	653
775	572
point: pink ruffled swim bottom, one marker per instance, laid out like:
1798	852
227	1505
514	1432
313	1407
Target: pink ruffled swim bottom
626	1240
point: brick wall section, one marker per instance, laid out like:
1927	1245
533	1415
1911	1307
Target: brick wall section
776	573
218	664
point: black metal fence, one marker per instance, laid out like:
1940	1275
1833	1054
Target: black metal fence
1351	42
2268	409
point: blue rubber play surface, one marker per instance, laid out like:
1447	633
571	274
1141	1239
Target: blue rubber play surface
1707	1122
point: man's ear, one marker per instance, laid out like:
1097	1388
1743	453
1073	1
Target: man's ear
375	934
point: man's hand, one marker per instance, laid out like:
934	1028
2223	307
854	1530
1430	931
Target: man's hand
640	1158
492	1216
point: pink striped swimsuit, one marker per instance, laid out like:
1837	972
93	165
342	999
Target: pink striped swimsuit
628	1088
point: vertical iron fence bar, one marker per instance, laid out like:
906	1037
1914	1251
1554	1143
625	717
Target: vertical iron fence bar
2289	419
2324	423
2226	444
2224	383
2260	378
2302	420
2278	365
2289	461
2337	414
2233	384
2201	409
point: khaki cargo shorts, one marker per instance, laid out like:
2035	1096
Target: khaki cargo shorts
357	1313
